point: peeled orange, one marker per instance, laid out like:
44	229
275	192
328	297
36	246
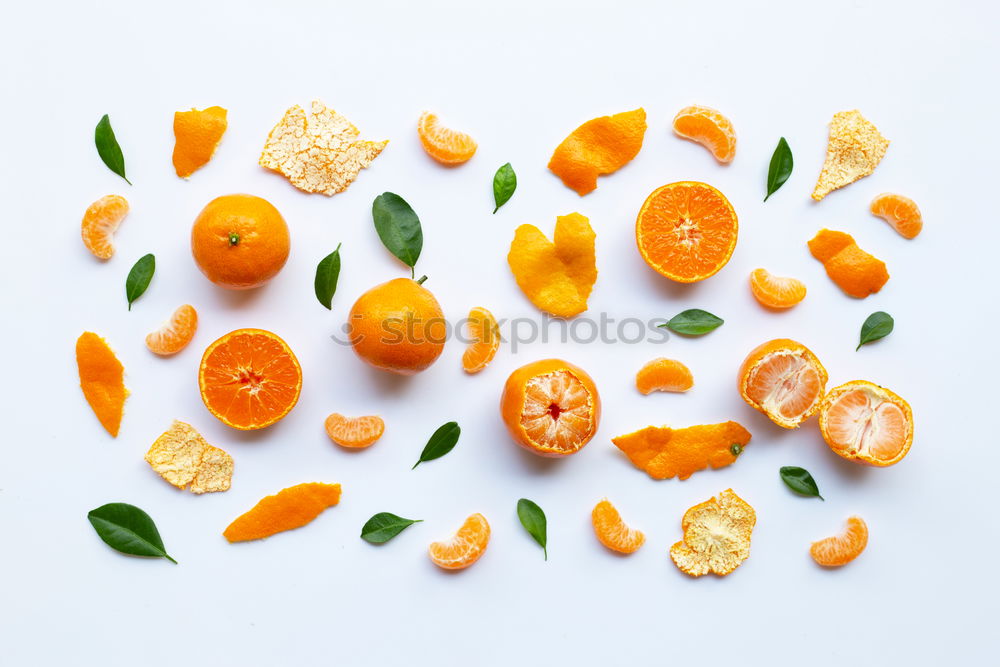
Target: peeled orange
783	379
867	423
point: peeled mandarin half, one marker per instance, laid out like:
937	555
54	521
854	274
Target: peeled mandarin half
709	128
465	547
100	222
354	432
864	422
774	291
841	549
852	269
664	375
598	147
784	380
612	532
900	212
197	134
175	334
449	147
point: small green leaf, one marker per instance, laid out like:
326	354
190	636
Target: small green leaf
533	519
108	148
139	277
384	526
780	168
878	325
327	273
736	449
398	227
504	184
693	322
800	481
442	441
128	529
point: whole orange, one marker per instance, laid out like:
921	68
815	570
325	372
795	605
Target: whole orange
398	327
239	241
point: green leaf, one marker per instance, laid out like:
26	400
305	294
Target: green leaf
693	322
139	277
442	441
384	526
108	148
878	325
128	529
504	184
780	168
533	519
398	227
800	481
327	273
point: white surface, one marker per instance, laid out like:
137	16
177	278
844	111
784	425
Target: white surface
518	77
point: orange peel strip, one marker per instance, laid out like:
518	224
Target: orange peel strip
197	134
102	380
288	509
664	452
852	269
716	536
598	147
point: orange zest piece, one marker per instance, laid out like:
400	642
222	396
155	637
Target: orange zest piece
849	267
448	147
356	432
100	221
249	379
663	375
854	149
774	291
102	379
841	549
485	334
686	231
864	422
174	335
783	379
665	452
612	532
197	134
465	547
900	212
716	536
288	509
709	128
182	458
599	146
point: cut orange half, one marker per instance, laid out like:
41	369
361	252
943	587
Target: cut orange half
709	128
447	146
867	423
774	291
783	379
612	532
485	335
465	547
841	549
175	334
354	432
100	221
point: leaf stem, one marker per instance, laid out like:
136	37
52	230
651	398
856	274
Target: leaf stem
169	557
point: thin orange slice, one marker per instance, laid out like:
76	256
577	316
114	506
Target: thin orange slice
447	146
686	231
664	375
354	432
867	423
900	212
783	379
100	221
288	509
598	147
612	532
174	335
709	128
841	549
102	380
197	134
485	334
849	267
465	547
664	452
774	291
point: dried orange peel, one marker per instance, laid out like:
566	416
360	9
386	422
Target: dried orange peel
900	212
485	336
288	509
100	221
557	276
197	134
447	146
665	452
612	532
864	422
102	380
783	379
852	269
716	536
709	128
354	432
664	375
854	149
841	549
599	146
183	458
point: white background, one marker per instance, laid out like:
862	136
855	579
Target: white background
518	76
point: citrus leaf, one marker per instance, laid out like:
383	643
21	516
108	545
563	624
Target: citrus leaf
441	442
108	148
139	277
878	325
800	481
504	184
533	519
398	227
693	322
128	529
780	168
384	526
327	273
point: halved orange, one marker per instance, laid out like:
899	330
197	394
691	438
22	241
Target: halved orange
709	128
783	379
354	432
249	379
447	146
841	549
775	291
663	375
612	532
900	212
485	334
866	423
465	547
100	221
175	334
686	231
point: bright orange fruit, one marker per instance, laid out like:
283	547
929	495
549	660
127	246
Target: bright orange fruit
197	134
485	334
100	221
465	547
612	532
841	549
102	380
686	231
783	379
249	379
774	291
867	423
663	375
288	509
444	145
851	268
174	335
665	452
900	212
709	128
354	432
599	146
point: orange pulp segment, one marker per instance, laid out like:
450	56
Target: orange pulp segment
900	212
174	335
612	532
709	128
663	375
841	549
774	291
864	422
485	334
447	146
465	547
100	221
102	380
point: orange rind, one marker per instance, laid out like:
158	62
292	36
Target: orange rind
197	134
664	452
664	375
866	423
841	549
102	380
854	149
709	128
852	269
183	458
612	532
783	379
716	536
598	147
288	509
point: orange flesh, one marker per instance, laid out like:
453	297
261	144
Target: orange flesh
709	128
841	549
785	384
557	412
465	547
861	424
900	212
444	145
664	375
100	221
357	432
485	334
174	336
776	291
612	532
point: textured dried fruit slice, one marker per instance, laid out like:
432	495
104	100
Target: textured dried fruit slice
599	146
318	152
686	231
102	380
612	532
852	269
900	212
716	536
557	276
775	291
665	452
485	334
867	423
465	547
783	379
100	221
174	335
709	128
197	134
354	432
841	549
664	375
183	458
447	146
288	509
854	149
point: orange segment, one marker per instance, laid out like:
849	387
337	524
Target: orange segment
197	134
249	379
465	547
663	375
444	145
664	452
100	221
900	212
686	231
775	291
841	549
356	432
102	380
851	268
288	509
612	532
867	423
174	335
709	128
599	146
783	379
716	536
485	334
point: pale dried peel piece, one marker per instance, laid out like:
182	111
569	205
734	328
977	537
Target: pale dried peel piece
318	152
854	150
182	457
716	536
